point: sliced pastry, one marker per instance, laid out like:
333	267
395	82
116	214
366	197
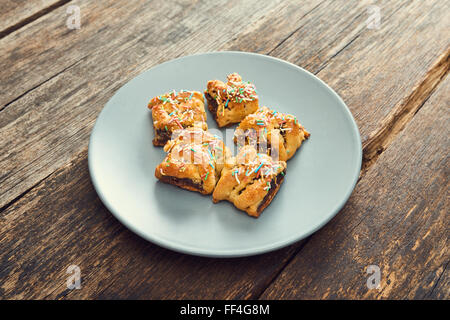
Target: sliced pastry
194	161
250	181
274	133
176	111
230	102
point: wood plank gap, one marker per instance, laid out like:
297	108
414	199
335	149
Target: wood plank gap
408	109
437	282
295	31
32	18
10	203
396	121
257	295
20	196
325	63
308	278
43	82
298	249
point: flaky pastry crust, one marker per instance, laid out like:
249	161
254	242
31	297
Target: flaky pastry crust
250	181
176	111
194	161
275	133
230	102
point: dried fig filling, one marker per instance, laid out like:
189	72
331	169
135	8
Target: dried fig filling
273	185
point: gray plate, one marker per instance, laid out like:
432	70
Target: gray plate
319	180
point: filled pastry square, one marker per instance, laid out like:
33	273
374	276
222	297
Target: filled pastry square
250	181
230	102
274	133
176	111
194	161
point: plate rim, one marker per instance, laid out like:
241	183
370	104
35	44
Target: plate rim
233	253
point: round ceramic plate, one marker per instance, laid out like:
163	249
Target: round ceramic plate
319	179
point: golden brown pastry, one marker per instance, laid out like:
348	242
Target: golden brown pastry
194	161
271	132
230	102
176	111
250	181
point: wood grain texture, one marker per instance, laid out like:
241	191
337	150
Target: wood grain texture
59	80
47	47
397	218
75	95
69	69
62	222
372	69
247	282
401	115
15	14
441	288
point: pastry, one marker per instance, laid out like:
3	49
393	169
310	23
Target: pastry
230	102
271	132
176	111
194	161
250	181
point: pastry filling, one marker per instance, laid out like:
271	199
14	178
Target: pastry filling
273	186
182	182
163	135
212	105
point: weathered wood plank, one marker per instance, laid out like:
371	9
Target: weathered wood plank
396	219
376	67
42	144
50	229
248	282
20	171
14	14
47	47
86	82
441	289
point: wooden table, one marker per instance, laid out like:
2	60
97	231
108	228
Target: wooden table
391	72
